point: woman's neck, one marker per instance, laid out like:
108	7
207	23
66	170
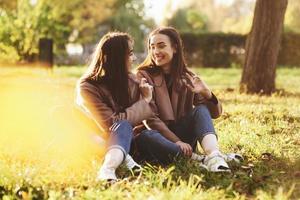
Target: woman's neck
166	69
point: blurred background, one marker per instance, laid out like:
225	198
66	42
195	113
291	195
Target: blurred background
214	31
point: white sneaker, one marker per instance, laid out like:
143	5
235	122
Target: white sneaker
233	157
198	157
215	162
131	164
106	174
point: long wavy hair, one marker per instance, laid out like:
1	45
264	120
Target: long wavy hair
178	64
109	66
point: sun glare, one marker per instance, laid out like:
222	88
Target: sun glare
38	123
160	9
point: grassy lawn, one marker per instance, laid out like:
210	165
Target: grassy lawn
46	153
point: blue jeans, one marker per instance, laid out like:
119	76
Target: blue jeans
121	135
190	129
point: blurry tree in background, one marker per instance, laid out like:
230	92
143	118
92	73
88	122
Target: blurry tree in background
83	22
262	47
24	22
238	18
235	17
129	16
292	17
188	20
87	16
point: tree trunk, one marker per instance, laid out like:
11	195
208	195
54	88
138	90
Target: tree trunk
262	47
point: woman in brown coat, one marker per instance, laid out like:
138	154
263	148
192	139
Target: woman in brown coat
183	103
113	98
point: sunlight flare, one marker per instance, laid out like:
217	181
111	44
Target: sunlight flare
39	124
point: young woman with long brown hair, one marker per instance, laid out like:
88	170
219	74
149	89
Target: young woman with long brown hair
112	96
184	105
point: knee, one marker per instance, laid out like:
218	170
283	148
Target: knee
147	135
201	108
151	138
201	111
154	139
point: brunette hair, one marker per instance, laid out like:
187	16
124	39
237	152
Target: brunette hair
109	66
178	65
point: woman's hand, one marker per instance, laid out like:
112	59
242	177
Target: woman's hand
146	90
185	148
197	85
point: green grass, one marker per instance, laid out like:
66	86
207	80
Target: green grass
265	130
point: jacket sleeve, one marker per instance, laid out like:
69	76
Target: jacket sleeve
214	105
93	101
155	123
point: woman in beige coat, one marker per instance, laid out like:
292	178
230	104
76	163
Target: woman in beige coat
183	103
114	98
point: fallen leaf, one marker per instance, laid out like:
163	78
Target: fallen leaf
297	174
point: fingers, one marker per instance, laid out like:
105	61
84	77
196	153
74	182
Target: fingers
190	150
143	81
189	79
146	90
193	78
145	84
188	85
181	146
151	87
186	149
189	82
182	149
189	76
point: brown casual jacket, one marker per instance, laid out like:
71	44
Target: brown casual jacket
171	109
97	102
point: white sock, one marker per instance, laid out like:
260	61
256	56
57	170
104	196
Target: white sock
130	163
210	144
113	158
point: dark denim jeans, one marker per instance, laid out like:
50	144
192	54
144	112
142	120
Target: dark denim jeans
121	135
190	129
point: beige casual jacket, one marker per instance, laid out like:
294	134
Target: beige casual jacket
97	102
171	109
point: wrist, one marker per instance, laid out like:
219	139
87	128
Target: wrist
213	99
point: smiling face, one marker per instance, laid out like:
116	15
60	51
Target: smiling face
162	51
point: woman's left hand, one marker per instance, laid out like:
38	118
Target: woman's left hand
197	85
146	90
